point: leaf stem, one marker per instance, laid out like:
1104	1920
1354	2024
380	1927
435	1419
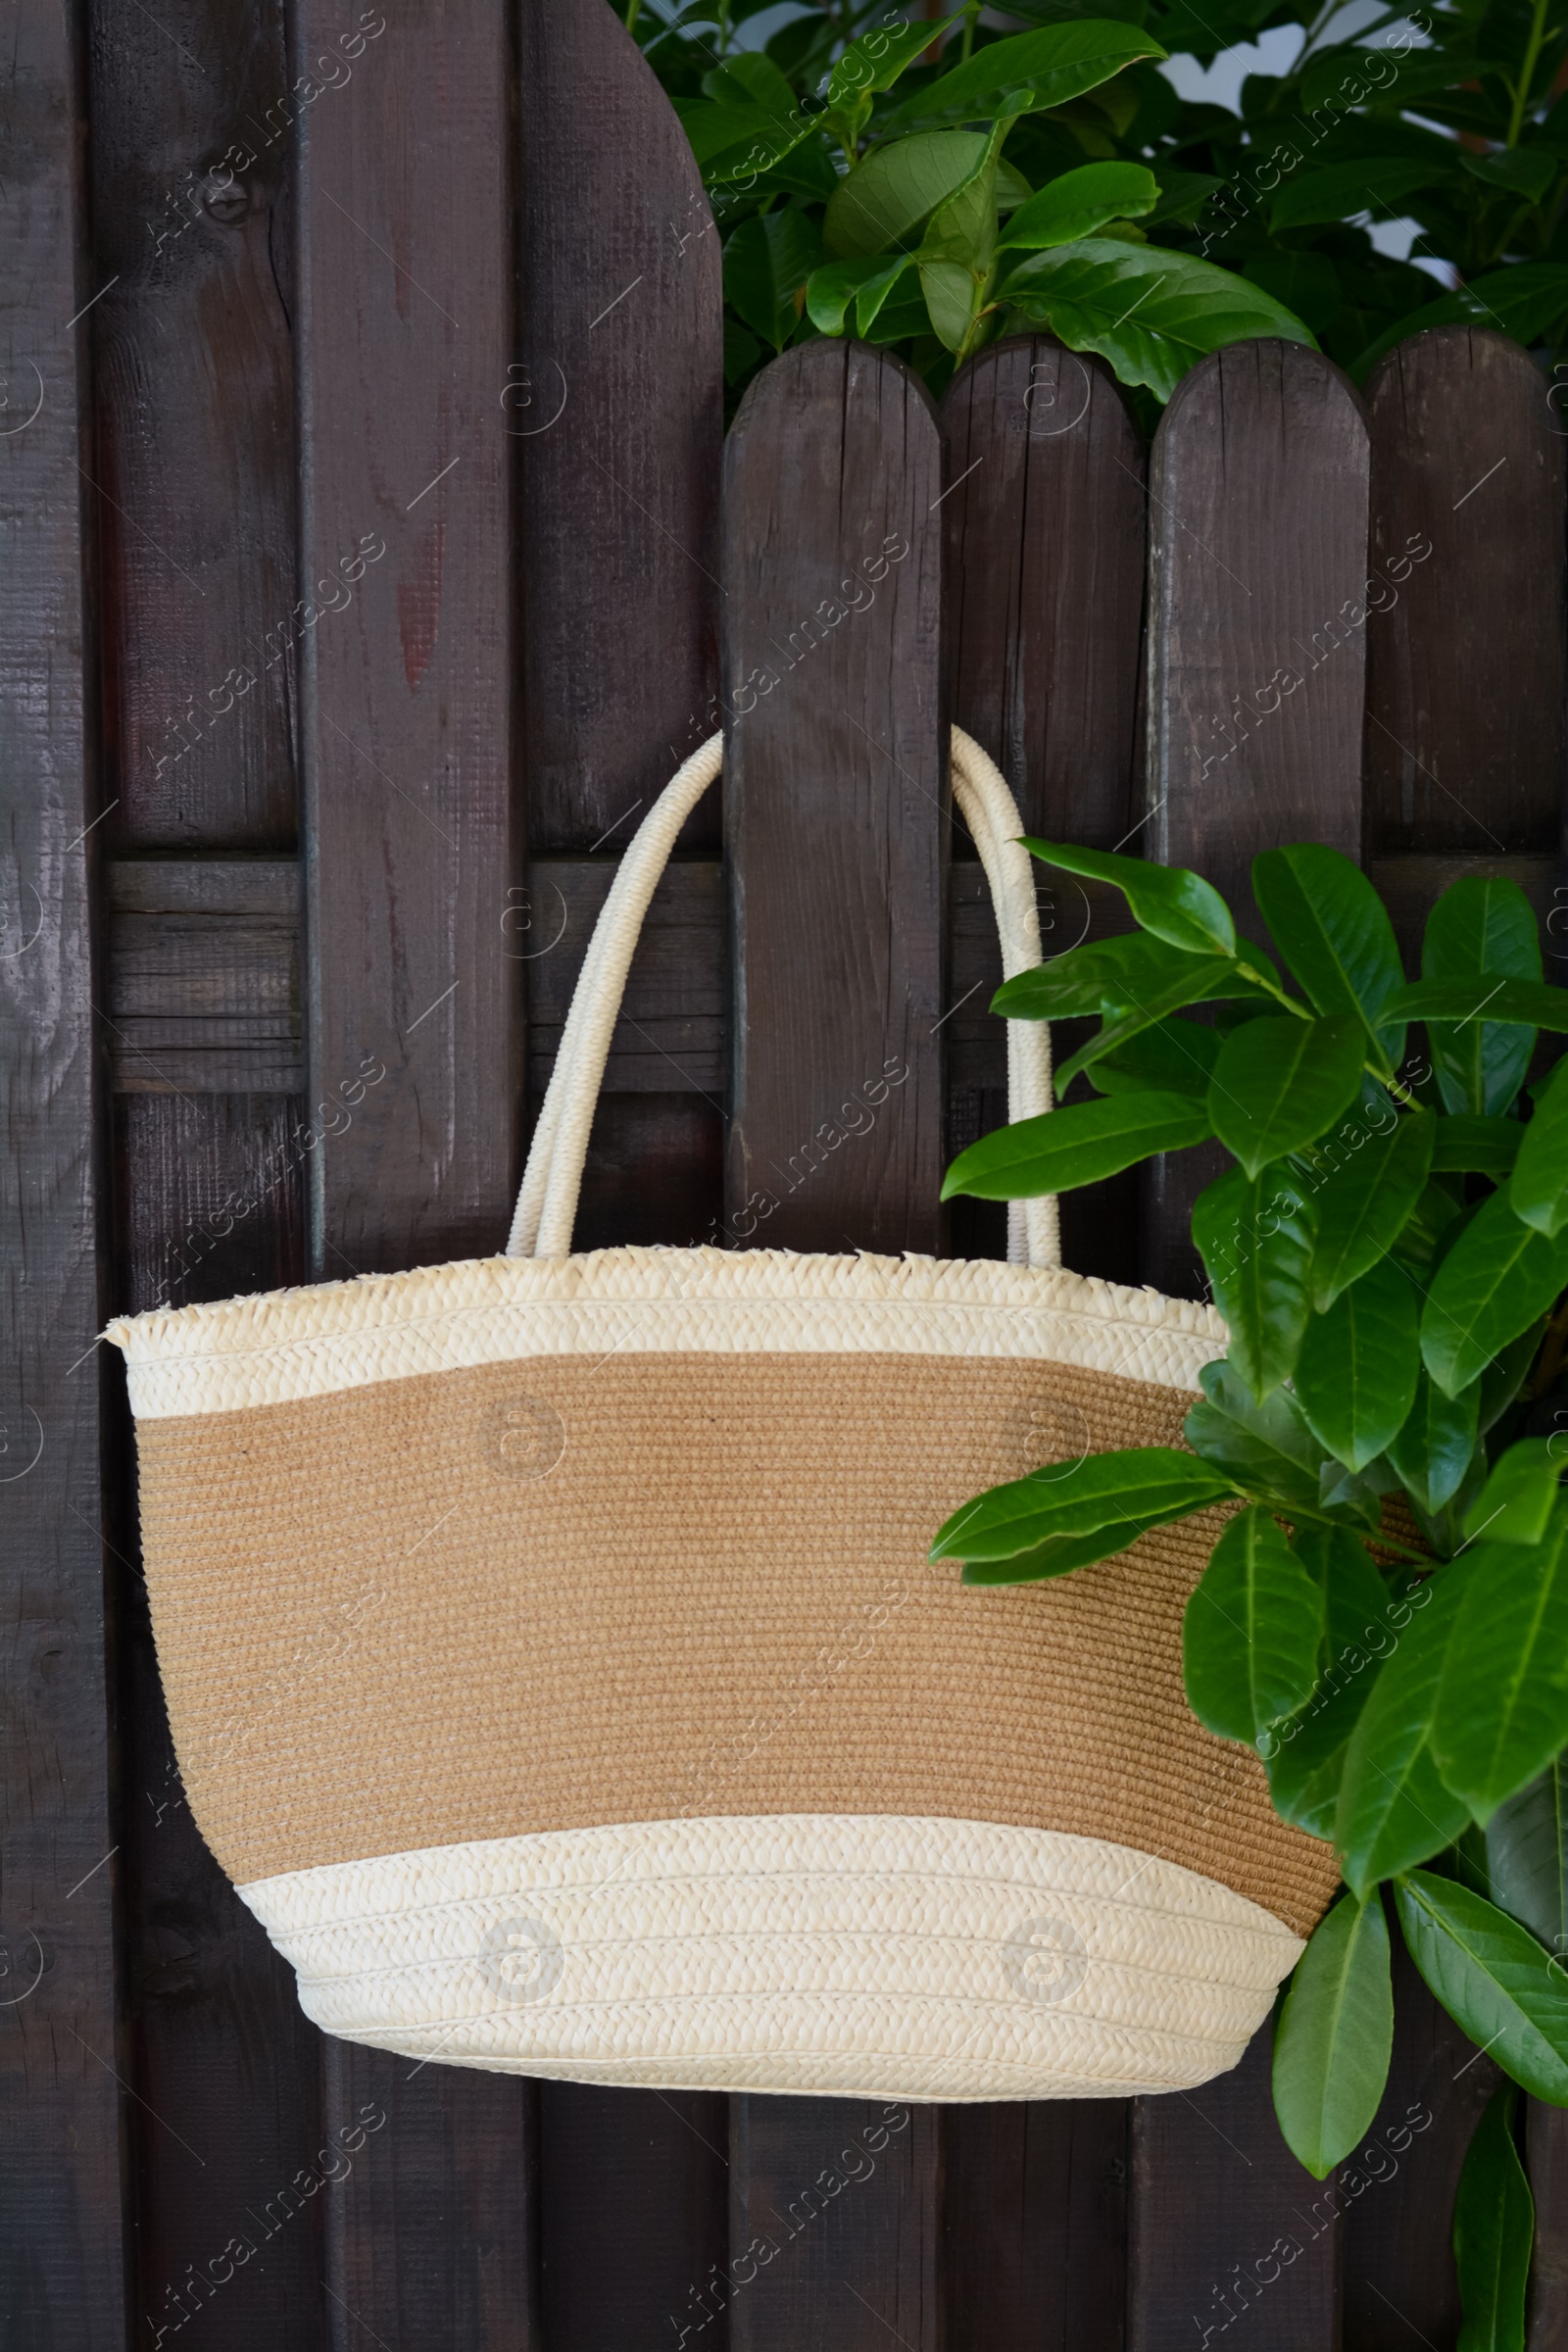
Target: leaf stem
971	18
633	12
1527	72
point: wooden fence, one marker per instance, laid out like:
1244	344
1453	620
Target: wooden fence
365	573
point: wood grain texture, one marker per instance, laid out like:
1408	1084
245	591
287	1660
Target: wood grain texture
432	2238
837	849
1465	678
1036	2226
616	401
204	976
633	2187
834	2240
413	848
195	461
1043	520
62	2243
1258	508
834	775
1256	648
405	336
1232	2235
1396	2192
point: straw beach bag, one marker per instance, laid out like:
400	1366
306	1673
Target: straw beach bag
555	1666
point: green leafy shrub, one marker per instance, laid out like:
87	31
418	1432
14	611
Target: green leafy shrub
1390	1253
860	185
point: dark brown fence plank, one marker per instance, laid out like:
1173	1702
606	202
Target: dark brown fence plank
192	146
633	2189
1043	592
1465	680
1465	774
405	313
62	2245
1043	519
617	400
1036	2226
1258	543
831	473
1258	539
194	455
837	843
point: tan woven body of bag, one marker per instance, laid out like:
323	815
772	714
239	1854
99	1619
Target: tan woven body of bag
555	1666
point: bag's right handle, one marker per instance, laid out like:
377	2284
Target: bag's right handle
547	1204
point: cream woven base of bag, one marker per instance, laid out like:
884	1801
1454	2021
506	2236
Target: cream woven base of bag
555	1666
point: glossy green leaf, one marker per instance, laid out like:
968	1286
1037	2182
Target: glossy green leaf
1366	1202
1471	1146
1209	976
881	207
1175	905
1493	2233
1493	1978
1501	1712
1057	1555
959	248
1334	931
1113	973
1335	2035
1393	1808
1432	1451
1175	1057
1498	1277
1027	74
1078	203
1506	1374
1359	1361
1304	1754
876	59
1537	1190
1481	931
1278	1083
1252	1631
1340	191
1151	312
1078	1145
867	283
1266	1447
766	262
1137	1487
1516	1504
1255	1236
1509	1004
1527	1856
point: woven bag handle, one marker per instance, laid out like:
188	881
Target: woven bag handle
547	1204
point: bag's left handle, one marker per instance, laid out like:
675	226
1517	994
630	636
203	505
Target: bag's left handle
547	1204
